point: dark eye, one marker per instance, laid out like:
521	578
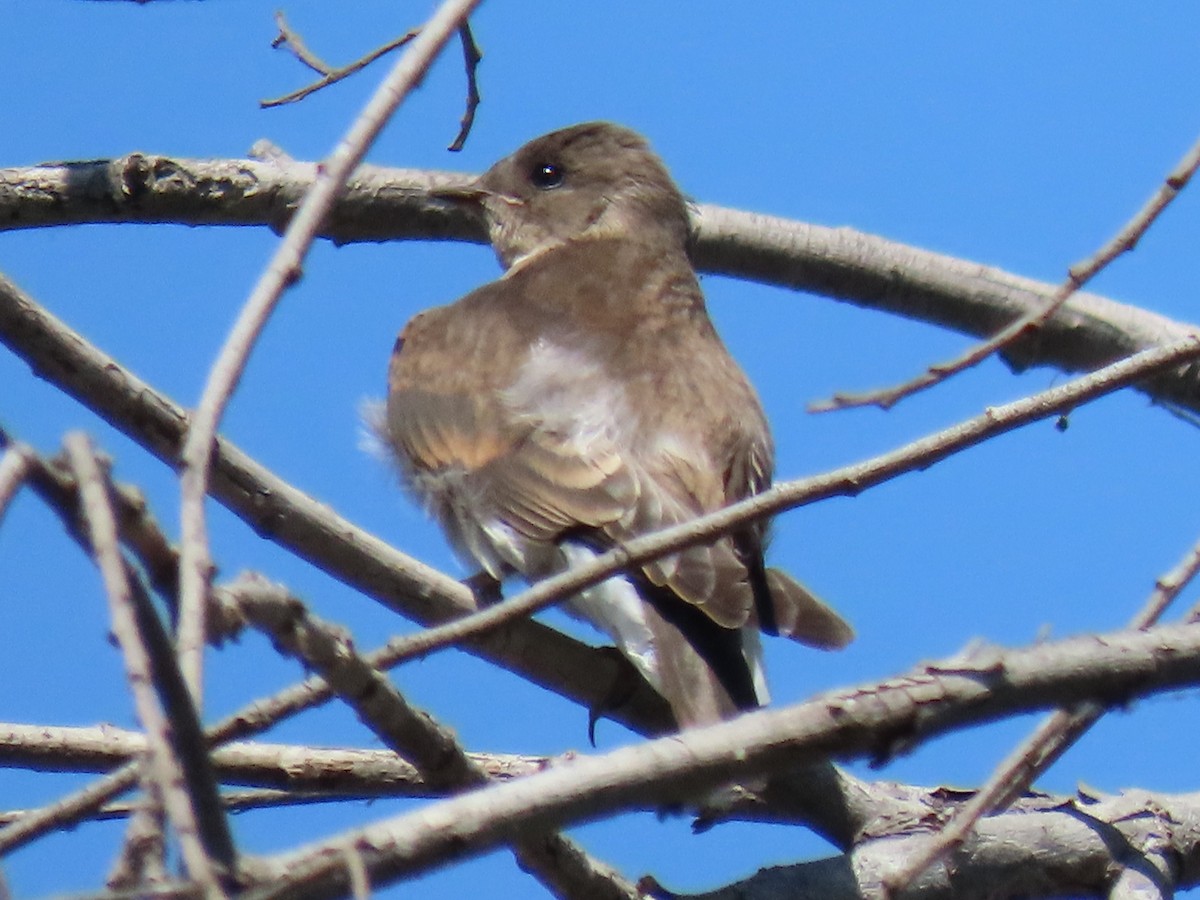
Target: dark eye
547	176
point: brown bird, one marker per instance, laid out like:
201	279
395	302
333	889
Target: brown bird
584	399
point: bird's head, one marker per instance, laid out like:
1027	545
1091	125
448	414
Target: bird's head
593	180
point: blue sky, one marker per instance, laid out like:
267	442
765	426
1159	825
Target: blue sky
1020	135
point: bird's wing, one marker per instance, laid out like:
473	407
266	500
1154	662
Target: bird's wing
461	445
537	447
782	604
674	487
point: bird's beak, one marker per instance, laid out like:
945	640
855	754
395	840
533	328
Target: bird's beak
469	193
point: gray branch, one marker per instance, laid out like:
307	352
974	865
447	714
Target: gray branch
872	720
394	204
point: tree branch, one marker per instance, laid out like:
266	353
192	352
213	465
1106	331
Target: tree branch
347	771
558	862
206	843
868	721
393	204
196	454
279	512
1077	276
1050	849
1049	741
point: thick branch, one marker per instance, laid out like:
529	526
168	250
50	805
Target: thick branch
1072	850
393	204
860	722
378	773
291	518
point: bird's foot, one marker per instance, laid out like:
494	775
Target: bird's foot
485	588
618	694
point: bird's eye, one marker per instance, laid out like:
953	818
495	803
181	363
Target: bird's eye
547	176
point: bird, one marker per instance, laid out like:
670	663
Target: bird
584	398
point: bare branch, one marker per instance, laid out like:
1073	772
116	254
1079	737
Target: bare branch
292	40
67	811
1072	850
554	859
330	652
195	567
929	700
380	204
338	772
388	204
472	57
1033	756
289	38
198	838
1077	276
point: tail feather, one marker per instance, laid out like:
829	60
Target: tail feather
804	617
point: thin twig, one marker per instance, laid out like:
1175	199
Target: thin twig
329	651
291	39
283	270
851	480
166	768
1077	276
472	57
329	74
1048	742
67	811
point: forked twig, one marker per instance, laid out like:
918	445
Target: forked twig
1077	276
291	39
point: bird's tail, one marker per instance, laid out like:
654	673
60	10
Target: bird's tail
804	617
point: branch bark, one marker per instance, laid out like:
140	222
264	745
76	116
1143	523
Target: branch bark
291	518
394	204
873	721
1084	848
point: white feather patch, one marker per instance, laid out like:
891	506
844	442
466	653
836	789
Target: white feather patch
564	390
614	607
